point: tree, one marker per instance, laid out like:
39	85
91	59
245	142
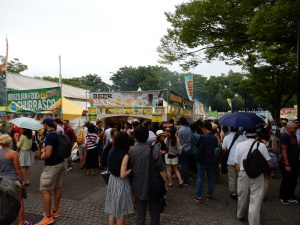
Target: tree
245	32
92	82
145	77
13	66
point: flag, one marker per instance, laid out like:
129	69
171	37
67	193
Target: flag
60	76
3	67
229	102
189	85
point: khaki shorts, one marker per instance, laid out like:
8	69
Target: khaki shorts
52	177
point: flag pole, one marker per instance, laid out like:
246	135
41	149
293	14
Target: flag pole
60	76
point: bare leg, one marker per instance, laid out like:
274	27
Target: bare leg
177	173
169	170
57	197
21	219
111	220
120	220
28	174
24	173
47	202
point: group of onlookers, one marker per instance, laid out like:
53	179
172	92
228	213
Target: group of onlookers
137	154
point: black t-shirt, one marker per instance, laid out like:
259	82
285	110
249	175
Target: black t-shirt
114	161
292	147
52	139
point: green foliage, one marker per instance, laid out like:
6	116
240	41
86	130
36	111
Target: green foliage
259	35
92	82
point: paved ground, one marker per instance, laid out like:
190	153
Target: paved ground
84	197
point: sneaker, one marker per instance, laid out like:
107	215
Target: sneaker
209	198
292	200
69	168
284	202
180	183
55	214
198	200
234	196
46	221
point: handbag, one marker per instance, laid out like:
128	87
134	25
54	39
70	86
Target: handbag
255	164
157	188
105	175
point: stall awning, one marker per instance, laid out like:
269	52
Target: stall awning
70	110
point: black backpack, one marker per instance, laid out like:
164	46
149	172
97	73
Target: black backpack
9	201
64	147
255	164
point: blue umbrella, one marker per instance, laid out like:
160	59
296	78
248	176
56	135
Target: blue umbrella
241	119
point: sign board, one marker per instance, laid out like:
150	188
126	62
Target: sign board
46	100
157	118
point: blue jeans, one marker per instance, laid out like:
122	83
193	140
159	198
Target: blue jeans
210	171
185	165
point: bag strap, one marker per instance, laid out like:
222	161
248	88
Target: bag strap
236	136
250	150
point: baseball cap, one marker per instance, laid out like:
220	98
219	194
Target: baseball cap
160	132
86	123
48	121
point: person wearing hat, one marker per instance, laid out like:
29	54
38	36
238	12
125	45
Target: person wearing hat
51	177
290	164
249	188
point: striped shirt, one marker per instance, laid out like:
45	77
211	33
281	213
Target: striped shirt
91	140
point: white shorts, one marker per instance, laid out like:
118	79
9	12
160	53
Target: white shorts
173	161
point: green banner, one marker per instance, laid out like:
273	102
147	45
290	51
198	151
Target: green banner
46	100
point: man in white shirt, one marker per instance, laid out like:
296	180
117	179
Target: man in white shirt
232	175
247	187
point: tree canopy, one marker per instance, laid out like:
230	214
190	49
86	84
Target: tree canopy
259	35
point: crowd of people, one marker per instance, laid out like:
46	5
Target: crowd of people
144	160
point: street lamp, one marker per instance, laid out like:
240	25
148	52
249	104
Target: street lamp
235	97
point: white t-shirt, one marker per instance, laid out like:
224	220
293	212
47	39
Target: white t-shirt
243	148
226	144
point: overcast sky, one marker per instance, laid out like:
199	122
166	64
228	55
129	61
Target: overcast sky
92	36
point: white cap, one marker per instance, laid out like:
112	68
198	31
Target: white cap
160	132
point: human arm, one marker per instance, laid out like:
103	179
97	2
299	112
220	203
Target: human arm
47	152
124	172
285	157
17	166
20	142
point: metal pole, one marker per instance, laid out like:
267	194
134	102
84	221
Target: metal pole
298	69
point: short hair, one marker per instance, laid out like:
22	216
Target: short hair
233	129
92	128
208	125
141	133
58	121
5	140
183	121
121	141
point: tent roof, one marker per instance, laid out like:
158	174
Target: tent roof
70	108
21	82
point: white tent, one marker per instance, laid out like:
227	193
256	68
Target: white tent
21	82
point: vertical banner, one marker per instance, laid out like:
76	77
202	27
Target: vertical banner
189	85
229	101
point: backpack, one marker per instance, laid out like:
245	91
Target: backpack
64	147
255	164
80	137
9	201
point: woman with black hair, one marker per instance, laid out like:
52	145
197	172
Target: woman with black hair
171	158
118	197
26	155
91	142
